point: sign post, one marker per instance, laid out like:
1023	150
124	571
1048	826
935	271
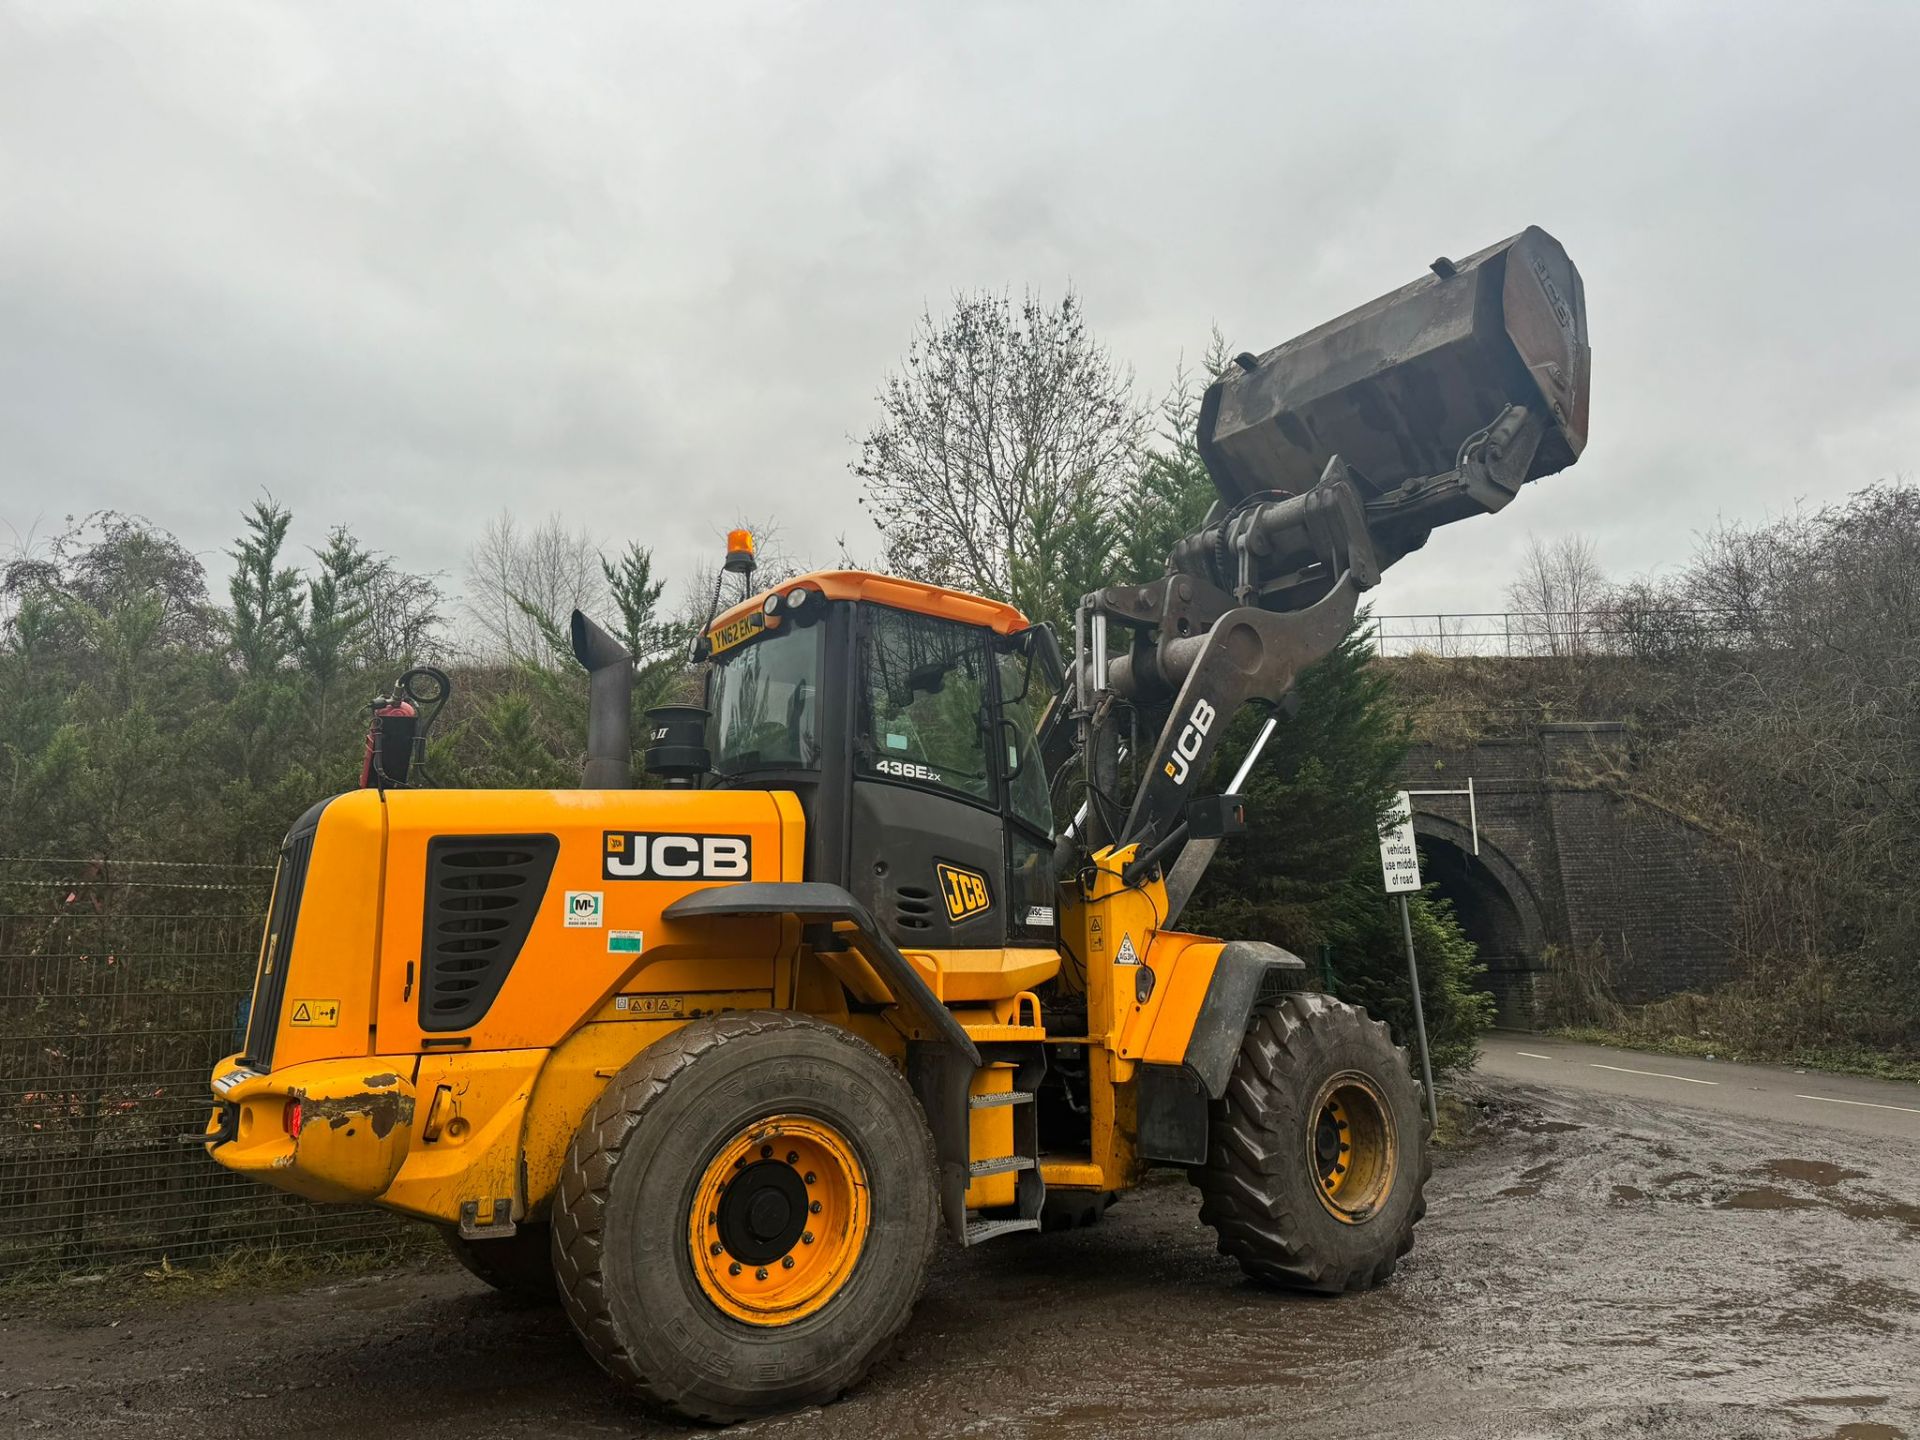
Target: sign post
1400	871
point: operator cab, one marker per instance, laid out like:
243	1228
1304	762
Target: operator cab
908	720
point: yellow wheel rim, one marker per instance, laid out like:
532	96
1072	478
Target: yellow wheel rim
778	1221
1351	1147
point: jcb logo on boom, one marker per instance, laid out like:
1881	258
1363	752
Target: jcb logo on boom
1187	747
965	891
631	855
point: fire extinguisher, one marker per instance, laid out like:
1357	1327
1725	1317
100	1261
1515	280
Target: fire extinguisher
397	728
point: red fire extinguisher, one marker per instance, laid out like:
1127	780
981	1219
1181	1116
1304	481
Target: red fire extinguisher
397	729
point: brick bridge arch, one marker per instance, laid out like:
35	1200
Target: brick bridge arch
1568	863
1495	904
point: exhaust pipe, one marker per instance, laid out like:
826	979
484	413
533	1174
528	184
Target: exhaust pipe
609	706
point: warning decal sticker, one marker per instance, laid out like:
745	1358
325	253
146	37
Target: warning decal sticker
1126	955
316	1014
651	1004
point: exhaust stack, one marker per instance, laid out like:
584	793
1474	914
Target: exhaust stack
609	706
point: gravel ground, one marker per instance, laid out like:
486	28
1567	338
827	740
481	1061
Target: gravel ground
1594	1266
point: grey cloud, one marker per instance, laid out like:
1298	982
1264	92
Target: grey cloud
407	265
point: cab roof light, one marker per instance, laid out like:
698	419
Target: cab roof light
740	559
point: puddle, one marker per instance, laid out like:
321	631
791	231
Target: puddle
1521	1192
1811	1172
1869	1430
1766	1197
1550	1127
1907	1215
1626	1194
1675	1177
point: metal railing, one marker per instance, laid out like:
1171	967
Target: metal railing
1519	634
121	985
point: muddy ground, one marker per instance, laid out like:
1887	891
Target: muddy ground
1595	1267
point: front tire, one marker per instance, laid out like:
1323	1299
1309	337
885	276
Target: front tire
746	1216
1317	1154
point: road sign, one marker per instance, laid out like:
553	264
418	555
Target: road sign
1399	862
1400	872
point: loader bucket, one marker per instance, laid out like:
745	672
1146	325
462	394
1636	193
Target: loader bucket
1396	387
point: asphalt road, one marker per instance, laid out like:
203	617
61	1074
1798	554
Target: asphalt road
1887	1109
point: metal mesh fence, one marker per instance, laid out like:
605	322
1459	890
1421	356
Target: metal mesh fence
120	988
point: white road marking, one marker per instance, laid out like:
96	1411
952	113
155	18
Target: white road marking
1867	1104
1655	1074
1531	1056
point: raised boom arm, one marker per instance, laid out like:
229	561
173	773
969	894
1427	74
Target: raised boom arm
1335	455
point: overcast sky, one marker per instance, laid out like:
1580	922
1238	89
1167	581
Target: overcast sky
645	265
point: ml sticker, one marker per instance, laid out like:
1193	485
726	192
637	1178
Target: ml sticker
583	909
316	1014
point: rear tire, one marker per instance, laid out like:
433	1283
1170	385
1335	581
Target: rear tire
678	1195
1317	1154
520	1265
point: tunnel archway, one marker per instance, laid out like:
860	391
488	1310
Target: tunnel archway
1495	907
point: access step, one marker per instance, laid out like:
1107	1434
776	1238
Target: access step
1000	1165
999	1097
979	1230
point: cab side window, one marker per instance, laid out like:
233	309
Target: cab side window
923	702
1025	700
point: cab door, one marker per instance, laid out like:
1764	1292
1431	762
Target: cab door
928	837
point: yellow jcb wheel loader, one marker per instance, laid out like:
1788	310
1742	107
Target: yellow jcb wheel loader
720	1061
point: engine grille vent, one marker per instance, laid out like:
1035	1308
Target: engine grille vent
913	908
482	894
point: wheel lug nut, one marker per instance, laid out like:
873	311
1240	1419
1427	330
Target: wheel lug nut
814	1208
760	1274
793	1157
734	1269
807	1239
786	1262
765	1151
714	1249
809	1177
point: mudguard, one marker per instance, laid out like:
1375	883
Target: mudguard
816	901
1174	1099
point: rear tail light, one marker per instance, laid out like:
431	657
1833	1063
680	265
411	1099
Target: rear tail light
291	1118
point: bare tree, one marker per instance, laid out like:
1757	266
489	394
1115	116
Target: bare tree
1558	595
522	584
1005	425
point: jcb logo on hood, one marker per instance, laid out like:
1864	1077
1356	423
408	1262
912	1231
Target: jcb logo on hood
1188	745
965	891
632	855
